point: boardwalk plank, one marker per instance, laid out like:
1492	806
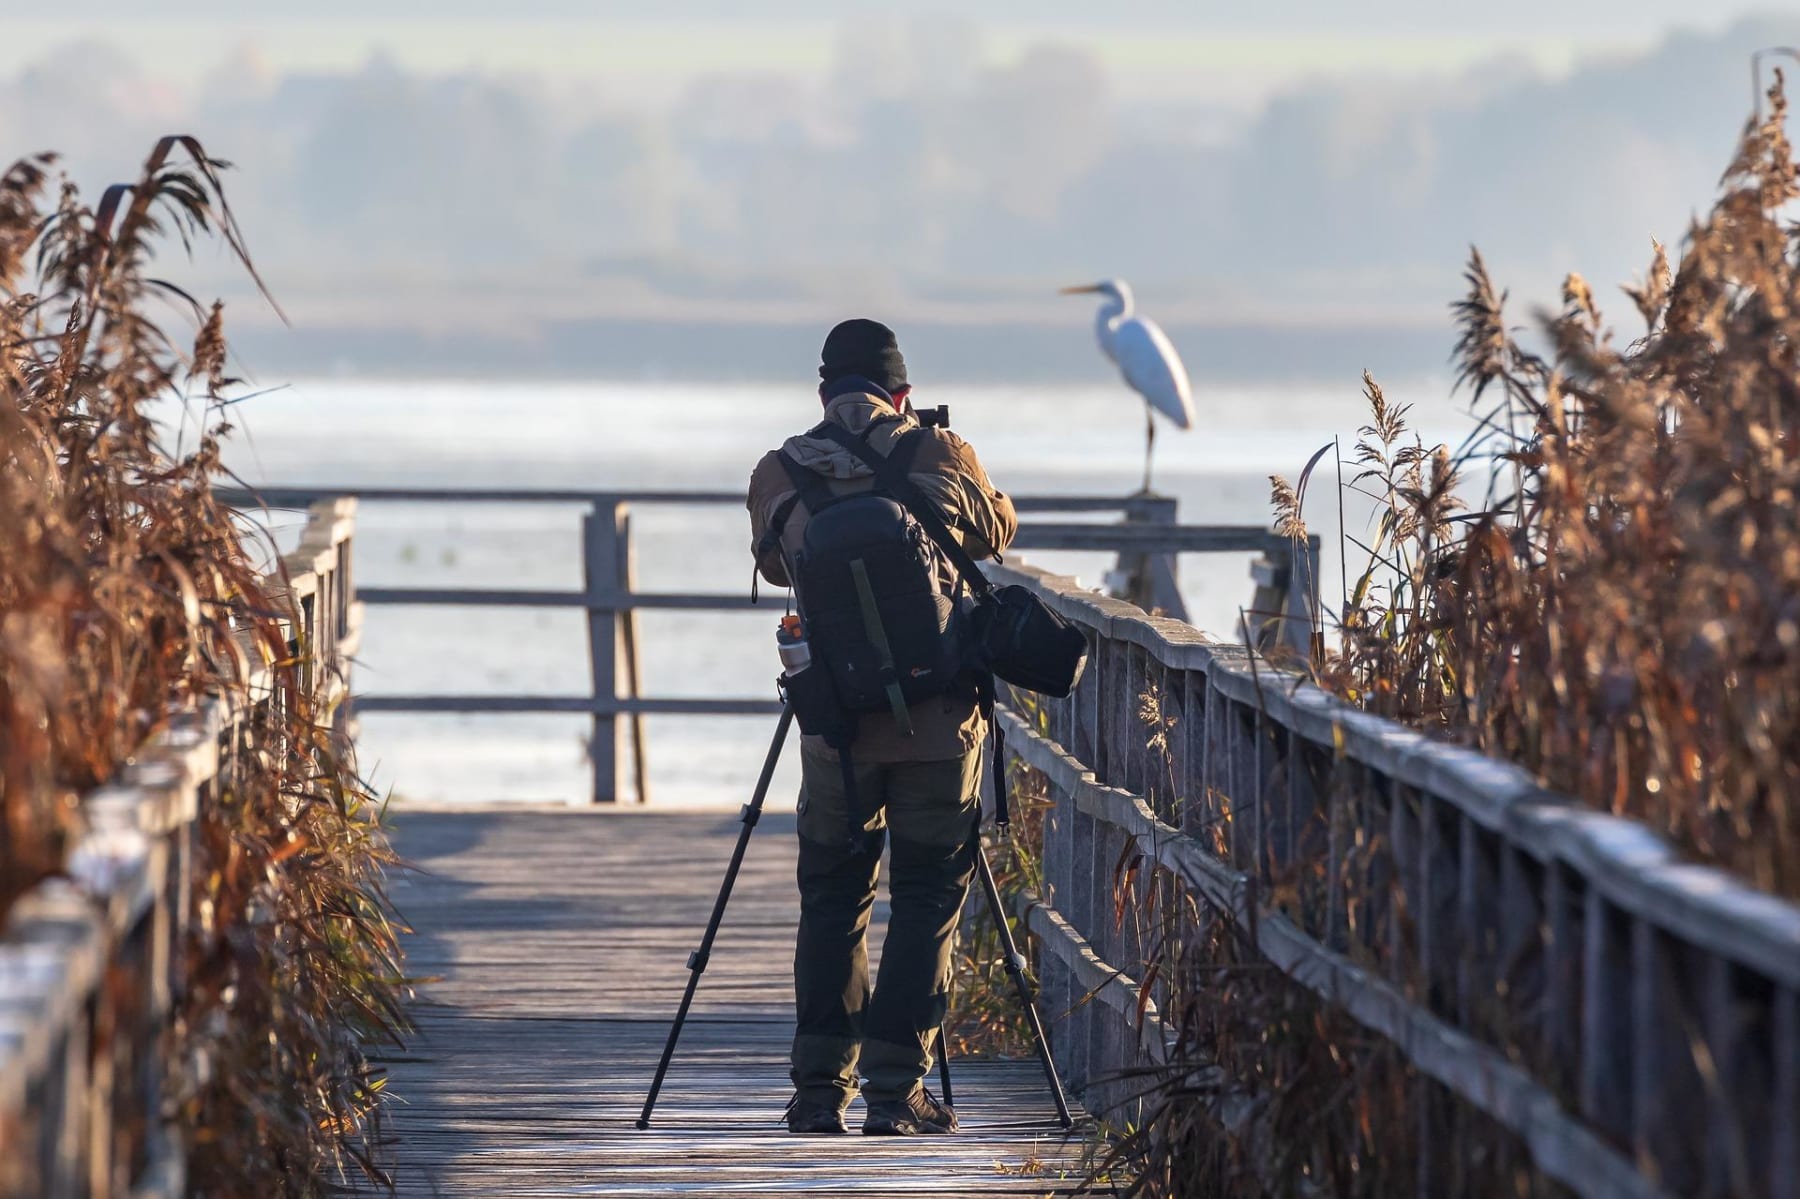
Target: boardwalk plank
558	941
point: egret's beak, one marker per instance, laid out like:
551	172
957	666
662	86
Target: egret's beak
1079	291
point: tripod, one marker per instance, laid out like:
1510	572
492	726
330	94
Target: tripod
696	963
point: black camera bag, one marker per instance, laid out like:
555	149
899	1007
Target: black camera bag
1024	642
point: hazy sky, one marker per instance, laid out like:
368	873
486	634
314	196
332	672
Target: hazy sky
568	163
1372	16
1216	52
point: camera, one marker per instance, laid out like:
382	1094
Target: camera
934	418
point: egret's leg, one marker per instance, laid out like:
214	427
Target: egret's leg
1149	444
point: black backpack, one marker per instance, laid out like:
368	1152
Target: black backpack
872	598
883	631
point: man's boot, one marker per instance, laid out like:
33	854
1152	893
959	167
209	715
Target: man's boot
919	1114
811	1115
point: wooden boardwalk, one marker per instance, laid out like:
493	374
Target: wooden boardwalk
559	939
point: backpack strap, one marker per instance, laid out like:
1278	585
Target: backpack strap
809	489
906	448
1002	812
809	485
877	634
892	476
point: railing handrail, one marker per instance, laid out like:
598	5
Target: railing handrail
122	908
1626	874
1636	868
1573	1153
304	495
1150	534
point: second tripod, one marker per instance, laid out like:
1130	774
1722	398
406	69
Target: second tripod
697	961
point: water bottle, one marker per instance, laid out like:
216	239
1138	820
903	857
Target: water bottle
790	642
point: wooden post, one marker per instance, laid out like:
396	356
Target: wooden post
1281	607
602	555
633	664
1216	814
307	644
1338	817
346	587
1151	581
1403	892
1303	582
1519	978
1563	957
1668	1088
1605	1086
1268	601
1162	572
1784	1122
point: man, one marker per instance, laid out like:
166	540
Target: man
920	788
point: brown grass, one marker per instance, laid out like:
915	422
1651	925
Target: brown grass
1621	613
126	590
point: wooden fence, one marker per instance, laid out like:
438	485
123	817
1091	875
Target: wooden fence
1148	540
1632	1020
90	968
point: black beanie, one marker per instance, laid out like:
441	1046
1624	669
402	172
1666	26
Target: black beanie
867	348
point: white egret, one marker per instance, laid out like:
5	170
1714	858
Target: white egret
1145	358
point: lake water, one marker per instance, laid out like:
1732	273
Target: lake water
666	436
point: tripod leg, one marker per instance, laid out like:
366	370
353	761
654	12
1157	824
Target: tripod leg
1015	966
752	811
943	1047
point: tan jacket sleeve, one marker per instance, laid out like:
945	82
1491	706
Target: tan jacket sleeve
947	469
769	487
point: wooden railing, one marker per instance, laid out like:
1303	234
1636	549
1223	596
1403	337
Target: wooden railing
1148	541
1632	1019
90	963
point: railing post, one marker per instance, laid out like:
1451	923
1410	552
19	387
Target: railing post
602	555
1393	877
1214	779
632	665
1342	784
1271	575
1784	1118
1606	1018
1667	1029
346	588
1281	608
1151	581
308	642
1303	583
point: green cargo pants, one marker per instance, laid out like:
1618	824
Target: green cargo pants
930	810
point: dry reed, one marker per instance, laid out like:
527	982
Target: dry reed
127	591
1620	613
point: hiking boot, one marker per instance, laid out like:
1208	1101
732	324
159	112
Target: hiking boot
920	1114
808	1116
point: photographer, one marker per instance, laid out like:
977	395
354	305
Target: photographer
913	775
